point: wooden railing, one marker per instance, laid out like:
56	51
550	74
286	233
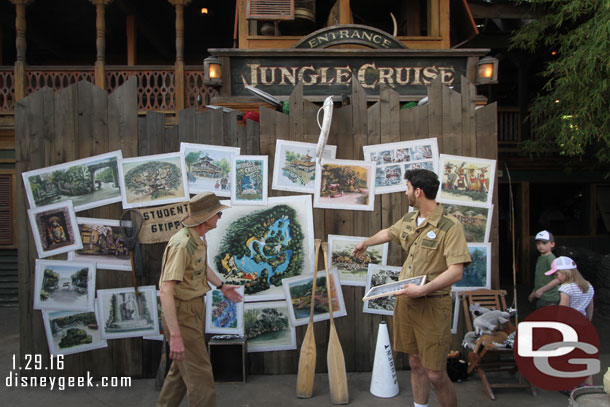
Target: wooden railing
156	89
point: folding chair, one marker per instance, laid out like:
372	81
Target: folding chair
491	360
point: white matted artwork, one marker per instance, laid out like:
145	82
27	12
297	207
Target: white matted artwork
153	180
88	182
267	326
208	167
456	312
477	274
345	184
294	166
223	316
159	335
103	243
258	246
64	285
392	287
71	332
393	159
476	220
466	180
353	270
249	180
298	296
123	314
379	275
55	229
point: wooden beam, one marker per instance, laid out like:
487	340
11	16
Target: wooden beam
130	23
504	11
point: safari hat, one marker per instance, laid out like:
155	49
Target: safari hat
561	263
545	236
201	208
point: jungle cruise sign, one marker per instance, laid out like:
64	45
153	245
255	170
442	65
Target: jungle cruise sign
330	71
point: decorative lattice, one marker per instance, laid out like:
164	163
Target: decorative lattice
156	89
55	79
196	93
7	91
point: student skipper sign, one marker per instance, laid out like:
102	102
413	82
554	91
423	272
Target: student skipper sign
328	71
161	223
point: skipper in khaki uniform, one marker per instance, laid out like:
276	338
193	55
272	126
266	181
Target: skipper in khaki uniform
436	246
183	284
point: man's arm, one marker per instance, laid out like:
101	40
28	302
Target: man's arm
227	290
445	279
168	305
383	236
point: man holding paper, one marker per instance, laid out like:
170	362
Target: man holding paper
436	247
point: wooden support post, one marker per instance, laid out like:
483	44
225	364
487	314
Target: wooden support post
130	23
345	12
21	47
523	206
179	65
100	42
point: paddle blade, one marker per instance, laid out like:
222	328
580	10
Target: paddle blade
307	364
337	377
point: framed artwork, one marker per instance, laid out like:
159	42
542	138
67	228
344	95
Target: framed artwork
153	180
55	229
223	316
379	275
392	287
159	336
88	182
258	246
298	296
294	166
466	180
124	314
208	168
267	326
476	220
249	180
353	270
393	159
456	312
71	332
103	244
478	273
345	184
64	285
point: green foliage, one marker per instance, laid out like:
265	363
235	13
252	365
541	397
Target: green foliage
224	166
260	322
572	112
106	175
155	178
79	279
191	158
50	280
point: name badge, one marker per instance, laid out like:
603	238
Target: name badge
431	235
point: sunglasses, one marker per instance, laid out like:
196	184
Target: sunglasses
219	214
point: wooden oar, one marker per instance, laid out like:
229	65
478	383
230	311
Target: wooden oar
335	360
307	360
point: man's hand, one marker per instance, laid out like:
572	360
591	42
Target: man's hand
359	250
412	291
530	298
230	292
176	347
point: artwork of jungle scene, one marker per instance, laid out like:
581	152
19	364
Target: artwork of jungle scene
103	243
379	275
267	327
298	295
353	270
71	332
476	220
64	285
208	168
124	314
156	337
249	186
393	159
258	247
55	229
294	166
153	180
478	273
88	183
466	180
223	316
345	184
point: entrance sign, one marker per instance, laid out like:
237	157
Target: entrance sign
350	34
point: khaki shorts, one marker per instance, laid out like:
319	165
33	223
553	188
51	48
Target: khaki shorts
422	326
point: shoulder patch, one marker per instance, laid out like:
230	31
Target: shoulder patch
446	223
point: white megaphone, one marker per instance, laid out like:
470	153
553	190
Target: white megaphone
384	382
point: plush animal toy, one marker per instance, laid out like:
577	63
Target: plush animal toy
490	321
470	340
492	341
476	309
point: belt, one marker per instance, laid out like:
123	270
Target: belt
441	295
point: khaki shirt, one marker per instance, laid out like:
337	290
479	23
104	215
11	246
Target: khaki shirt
432	247
185	261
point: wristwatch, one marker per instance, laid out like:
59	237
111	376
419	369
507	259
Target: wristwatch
222	283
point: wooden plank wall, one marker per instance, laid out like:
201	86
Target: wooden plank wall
81	121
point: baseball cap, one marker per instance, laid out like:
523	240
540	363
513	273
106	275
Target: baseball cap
545	236
561	263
